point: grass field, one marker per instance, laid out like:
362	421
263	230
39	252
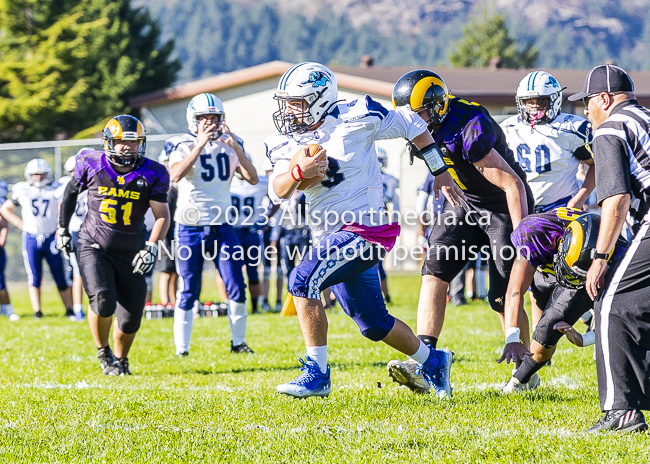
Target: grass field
56	406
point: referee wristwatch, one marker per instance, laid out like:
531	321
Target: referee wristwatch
596	255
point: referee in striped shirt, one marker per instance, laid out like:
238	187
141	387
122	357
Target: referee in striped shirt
621	149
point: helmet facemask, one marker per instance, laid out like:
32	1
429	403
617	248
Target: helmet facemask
289	119
220	118
38	166
125	128
541	114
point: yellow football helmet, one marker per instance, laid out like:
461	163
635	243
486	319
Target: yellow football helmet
423	89
125	128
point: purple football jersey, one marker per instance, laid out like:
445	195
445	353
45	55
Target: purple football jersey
538	235
467	134
117	202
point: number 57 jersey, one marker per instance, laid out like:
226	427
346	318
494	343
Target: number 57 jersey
117	202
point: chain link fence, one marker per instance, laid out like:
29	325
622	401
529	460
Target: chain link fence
14	157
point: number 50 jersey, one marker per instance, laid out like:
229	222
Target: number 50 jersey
117	202
204	193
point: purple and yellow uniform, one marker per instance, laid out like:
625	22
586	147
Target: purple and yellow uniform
537	239
466	136
113	232
117	203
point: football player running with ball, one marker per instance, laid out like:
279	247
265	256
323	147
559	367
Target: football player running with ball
111	250
349	238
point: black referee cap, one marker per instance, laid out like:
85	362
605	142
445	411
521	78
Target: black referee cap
604	78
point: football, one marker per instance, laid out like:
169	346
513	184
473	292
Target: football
314	148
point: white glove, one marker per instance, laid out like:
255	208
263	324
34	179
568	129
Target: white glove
64	241
145	259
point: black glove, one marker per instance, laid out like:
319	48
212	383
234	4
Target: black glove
145	259
64	241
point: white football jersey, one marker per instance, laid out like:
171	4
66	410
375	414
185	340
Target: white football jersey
39	207
250	203
80	209
545	153
204	194
352	188
390	185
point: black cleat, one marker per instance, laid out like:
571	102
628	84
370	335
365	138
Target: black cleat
123	364
38	314
620	420
183	354
69	314
107	361
243	348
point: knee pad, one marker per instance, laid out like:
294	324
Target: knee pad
128	323
104	303
375	328
376	334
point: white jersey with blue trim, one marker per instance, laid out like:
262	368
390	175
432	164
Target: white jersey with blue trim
81	208
250	203
390	185
39	207
352	187
546	153
204	193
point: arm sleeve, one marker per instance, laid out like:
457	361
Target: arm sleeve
479	136
612	162
69	201
400	122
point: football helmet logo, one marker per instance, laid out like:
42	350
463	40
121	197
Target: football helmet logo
316	79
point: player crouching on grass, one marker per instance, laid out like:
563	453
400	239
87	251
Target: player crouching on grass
345	254
555	252
111	250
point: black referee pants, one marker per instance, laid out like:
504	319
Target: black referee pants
623	330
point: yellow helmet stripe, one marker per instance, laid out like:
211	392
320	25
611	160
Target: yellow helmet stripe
420	89
115	127
575	247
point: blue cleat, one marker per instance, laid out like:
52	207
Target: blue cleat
79	316
312	382
437	376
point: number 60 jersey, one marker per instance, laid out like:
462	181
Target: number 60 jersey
117	203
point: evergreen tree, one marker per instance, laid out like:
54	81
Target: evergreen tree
485	39
67	65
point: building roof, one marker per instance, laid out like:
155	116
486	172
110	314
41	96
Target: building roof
482	84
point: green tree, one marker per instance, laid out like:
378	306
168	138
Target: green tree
487	37
67	65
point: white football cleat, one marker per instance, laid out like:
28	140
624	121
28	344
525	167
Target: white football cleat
408	373
514	385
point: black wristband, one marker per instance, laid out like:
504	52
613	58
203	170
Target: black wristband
596	255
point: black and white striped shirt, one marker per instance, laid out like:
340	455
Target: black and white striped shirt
621	149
